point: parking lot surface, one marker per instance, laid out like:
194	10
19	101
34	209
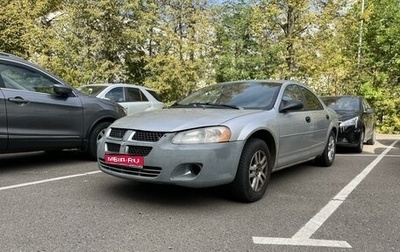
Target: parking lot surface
62	202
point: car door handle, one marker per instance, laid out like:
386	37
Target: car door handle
18	99
308	119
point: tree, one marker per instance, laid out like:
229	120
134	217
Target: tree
245	47
178	55
380	63
86	42
20	25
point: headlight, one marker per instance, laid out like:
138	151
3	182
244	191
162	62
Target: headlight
350	122
203	135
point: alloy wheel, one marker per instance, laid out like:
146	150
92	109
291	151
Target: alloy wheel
331	148
258	170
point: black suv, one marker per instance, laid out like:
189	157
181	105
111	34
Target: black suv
39	111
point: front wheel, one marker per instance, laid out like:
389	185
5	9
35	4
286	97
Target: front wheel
360	146
96	135
328	156
253	173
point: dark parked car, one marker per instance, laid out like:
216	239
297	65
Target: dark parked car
39	111
233	133
356	120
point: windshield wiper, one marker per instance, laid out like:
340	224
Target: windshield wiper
205	105
215	105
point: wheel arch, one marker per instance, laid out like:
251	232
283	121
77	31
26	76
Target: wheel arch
92	126
336	131
269	139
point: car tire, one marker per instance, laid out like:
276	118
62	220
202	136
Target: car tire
359	148
328	156
96	135
253	173
372	140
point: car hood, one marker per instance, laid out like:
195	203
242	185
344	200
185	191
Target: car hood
346	115
178	119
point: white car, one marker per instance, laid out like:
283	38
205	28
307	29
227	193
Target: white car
133	98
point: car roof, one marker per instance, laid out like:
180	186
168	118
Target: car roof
8	55
115	84
263	81
12	57
340	96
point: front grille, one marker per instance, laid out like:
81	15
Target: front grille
147	136
139	150
112	147
118	133
146	171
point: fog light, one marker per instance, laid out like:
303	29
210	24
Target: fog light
194	168
186	171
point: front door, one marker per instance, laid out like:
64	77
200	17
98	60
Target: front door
3	122
295	130
36	116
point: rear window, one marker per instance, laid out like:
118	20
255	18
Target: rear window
155	95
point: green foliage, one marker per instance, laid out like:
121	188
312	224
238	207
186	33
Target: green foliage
380	64
179	61
178	46
85	41
243	51
387	110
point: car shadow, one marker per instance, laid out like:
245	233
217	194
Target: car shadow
166	195
30	160
172	195
379	146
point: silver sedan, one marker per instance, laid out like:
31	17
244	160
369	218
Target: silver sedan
233	133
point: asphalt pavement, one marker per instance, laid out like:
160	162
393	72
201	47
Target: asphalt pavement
62	202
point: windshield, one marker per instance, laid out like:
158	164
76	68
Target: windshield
342	103
91	90
246	95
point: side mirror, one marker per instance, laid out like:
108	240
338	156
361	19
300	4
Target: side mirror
290	105
62	90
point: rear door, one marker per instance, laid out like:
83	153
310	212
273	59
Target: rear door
135	101
38	119
320	122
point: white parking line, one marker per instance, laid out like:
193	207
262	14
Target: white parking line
47	180
302	237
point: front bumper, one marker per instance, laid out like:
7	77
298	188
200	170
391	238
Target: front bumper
194	165
349	136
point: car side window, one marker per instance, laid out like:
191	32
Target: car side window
135	95
312	101
15	77
116	94
292	92
155	95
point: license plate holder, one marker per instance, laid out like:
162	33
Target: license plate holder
125	160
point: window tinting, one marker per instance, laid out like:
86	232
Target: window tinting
116	94
135	95
292	92
247	95
312	102
25	79
92	90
